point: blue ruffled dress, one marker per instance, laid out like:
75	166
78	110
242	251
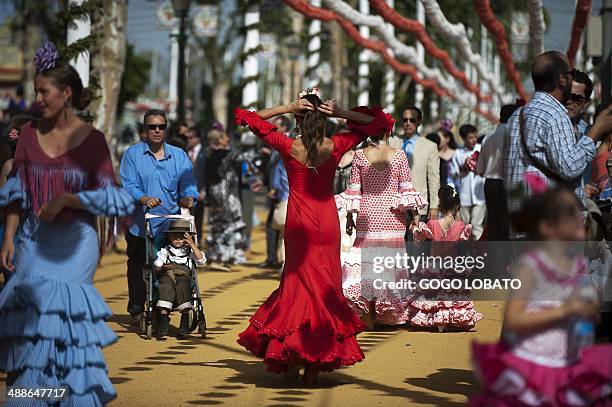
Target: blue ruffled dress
52	317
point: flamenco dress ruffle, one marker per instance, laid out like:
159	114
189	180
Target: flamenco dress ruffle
510	380
52	318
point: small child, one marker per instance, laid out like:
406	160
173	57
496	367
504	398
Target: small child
444	310
546	356
174	271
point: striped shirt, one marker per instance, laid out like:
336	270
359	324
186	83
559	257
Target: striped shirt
550	138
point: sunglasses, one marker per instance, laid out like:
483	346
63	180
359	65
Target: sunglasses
409	119
577	98
156	126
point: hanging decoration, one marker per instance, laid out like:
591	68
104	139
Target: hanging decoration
373	45
456	34
380	48
414	27
583	10
399	48
483	8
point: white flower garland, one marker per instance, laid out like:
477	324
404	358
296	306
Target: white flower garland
456	33
399	49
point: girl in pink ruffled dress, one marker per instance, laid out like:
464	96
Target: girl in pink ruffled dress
444	310
546	356
380	191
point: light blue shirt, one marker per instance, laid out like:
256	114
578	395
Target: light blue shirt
168	179
280	182
408	146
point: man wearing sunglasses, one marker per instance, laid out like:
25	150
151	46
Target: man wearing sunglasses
424	160
540	136
159	176
579	98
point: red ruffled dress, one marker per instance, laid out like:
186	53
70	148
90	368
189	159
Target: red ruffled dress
307	319
537	369
443	308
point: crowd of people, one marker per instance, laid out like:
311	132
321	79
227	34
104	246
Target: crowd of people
338	185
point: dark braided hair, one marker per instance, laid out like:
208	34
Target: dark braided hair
312	128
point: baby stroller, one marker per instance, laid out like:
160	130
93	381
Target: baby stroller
196	314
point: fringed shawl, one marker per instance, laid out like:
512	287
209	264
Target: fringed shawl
85	167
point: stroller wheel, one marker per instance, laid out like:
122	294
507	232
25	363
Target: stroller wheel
149	331
202	329
142	325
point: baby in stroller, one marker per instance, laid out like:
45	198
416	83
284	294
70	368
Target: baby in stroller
173	266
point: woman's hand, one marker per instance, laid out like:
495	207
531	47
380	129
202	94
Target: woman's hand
350	224
6	255
299	106
52	208
330	108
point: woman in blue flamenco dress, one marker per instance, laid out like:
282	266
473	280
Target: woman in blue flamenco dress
52	317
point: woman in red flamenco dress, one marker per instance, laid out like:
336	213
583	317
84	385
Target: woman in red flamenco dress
307	322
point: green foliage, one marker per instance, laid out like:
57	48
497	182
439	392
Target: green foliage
135	77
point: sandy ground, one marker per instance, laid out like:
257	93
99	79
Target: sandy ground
402	367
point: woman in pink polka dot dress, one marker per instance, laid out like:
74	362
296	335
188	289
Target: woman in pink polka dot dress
380	191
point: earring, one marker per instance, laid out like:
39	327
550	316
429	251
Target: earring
66	107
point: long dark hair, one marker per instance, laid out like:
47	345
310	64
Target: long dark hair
312	129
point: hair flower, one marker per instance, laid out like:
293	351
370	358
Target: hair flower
309	91
46	57
14	134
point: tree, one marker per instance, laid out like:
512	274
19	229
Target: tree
32	22
134	79
108	63
222	54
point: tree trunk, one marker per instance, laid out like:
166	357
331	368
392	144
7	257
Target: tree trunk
108	63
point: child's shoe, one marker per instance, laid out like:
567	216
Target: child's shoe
183	330
163	329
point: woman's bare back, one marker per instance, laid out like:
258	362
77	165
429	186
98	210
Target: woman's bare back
380	157
298	151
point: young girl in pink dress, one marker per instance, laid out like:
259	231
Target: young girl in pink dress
380	191
444	310
544	357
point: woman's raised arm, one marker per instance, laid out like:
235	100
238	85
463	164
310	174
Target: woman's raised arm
293	107
330	108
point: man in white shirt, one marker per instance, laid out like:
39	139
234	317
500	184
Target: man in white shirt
490	166
471	185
